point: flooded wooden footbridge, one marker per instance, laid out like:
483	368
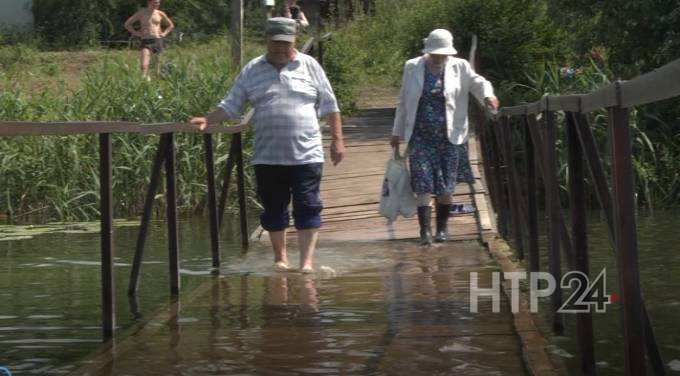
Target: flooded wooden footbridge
378	304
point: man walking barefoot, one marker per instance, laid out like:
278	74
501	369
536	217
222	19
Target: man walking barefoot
289	92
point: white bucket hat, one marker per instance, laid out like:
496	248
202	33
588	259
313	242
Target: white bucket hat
439	42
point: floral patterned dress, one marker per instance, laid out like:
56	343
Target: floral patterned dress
436	164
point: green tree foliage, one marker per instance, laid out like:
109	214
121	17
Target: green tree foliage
639	35
75	23
515	36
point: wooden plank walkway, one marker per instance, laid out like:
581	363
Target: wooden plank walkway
351	190
392	307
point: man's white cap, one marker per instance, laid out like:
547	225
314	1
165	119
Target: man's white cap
439	42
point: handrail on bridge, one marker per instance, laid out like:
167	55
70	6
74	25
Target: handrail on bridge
165	157
514	197
662	83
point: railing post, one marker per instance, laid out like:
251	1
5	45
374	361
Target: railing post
212	201
516	216
577	203
171	198
626	241
532	215
237	32
243	213
589	147
146	216
553	207
227	179
540	152
501	192
106	235
604	197
485	146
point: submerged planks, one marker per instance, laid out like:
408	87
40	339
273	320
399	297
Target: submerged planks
351	190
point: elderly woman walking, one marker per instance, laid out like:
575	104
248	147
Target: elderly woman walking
432	119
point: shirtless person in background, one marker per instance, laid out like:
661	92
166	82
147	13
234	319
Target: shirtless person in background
151	32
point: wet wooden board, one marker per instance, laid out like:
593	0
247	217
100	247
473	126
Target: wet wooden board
397	309
408	313
351	191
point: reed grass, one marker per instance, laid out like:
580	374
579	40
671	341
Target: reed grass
56	177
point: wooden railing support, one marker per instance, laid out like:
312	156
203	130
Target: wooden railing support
506	146
626	242
502	193
603	194
552	204
226	180
212	202
538	139
577	203
532	209
106	235
243	213
171	198
156	168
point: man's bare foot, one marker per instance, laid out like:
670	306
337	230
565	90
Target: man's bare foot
307	269
281	266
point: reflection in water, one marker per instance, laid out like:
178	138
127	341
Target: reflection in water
392	308
277	287
133	303
659	264
402	318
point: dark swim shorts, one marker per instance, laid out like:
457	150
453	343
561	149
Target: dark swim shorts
155	45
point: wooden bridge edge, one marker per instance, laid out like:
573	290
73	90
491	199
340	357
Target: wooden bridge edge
534	345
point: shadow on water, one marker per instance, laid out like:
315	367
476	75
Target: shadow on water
659	263
387	308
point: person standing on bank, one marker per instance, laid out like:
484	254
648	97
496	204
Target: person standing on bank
289	92
432	118
292	10
151	33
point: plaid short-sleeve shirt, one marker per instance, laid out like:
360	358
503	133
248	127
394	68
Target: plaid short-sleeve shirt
287	104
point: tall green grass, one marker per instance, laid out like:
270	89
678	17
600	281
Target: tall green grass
53	177
522	52
655	154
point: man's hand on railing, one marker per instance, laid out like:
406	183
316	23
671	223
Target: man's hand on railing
215	117
202	124
199	122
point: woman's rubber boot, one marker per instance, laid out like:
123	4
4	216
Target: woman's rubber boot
424	219
442	223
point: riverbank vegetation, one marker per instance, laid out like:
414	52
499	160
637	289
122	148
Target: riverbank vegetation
527	48
55	177
531	48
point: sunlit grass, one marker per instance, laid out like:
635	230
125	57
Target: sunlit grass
53	177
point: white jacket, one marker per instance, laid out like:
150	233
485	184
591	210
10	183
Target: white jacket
459	81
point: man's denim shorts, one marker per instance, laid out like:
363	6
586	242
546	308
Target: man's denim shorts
276	184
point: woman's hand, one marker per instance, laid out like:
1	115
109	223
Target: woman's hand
394	142
492	102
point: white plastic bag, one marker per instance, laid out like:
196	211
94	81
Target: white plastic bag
397	196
